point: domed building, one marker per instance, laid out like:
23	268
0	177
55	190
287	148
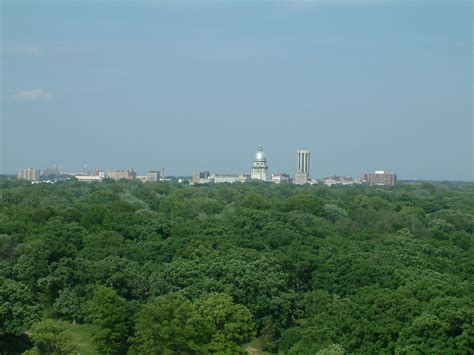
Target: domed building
259	166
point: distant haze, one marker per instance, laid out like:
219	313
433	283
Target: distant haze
365	85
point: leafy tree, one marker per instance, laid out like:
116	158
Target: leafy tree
230	324
441	225
333	349
356	269
7	245
100	245
458	314
125	276
69	305
289	338
109	312
18	308
334	212
426	334
170	325
33	351
62	275
52	337
32	263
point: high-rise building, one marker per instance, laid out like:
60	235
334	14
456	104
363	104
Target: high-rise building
259	165
29	174
302	166
379	177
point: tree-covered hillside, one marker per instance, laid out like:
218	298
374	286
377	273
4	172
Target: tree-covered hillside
165	268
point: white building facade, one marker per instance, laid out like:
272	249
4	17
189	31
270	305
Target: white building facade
89	178
380	177
302	166
29	174
259	165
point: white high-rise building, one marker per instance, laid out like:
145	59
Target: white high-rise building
259	166
28	174
302	166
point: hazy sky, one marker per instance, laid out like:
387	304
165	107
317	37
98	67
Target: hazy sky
365	85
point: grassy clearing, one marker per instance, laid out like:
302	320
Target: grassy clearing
82	337
255	348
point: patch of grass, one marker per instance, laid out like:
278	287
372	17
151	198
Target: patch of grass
255	348
82	337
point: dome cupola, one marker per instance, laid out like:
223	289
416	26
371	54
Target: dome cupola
260	155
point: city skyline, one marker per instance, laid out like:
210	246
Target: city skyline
302	173
258	172
364	85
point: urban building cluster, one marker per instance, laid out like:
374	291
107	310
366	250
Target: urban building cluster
127	174
54	173
36	175
258	172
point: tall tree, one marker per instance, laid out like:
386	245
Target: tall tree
109	312
230	324
52	337
170	325
18	308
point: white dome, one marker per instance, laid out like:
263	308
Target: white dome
260	155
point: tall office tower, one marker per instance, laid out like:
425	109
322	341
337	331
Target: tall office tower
29	174
259	166
302	166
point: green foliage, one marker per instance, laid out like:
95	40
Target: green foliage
289	338
100	245
69	305
18	308
230	324
170	325
109	313
171	268
424	335
333	349
52	337
33	351
333	212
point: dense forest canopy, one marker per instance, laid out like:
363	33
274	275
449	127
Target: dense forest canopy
166	268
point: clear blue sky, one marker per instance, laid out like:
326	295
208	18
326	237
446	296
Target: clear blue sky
365	85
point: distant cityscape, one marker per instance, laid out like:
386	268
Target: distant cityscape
258	172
